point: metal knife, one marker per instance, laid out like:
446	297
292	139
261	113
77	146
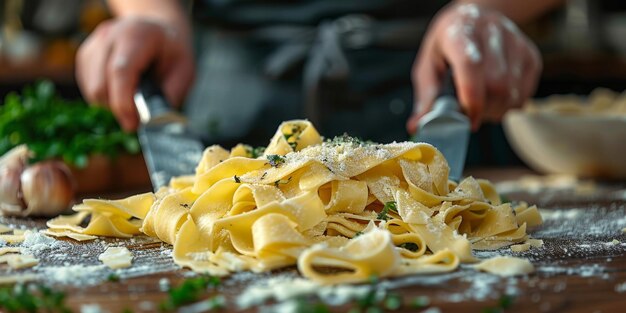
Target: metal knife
167	145
446	128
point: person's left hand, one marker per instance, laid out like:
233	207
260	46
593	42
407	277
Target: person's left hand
495	66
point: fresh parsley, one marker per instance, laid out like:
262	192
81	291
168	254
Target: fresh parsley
32	298
53	127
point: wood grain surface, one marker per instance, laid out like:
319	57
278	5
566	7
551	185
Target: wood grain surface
579	269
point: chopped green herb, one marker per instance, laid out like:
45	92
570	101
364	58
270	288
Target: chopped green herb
389	206
189	291
237	179
295	131
53	127
357	234
275	160
346	139
113	277
411	246
127	310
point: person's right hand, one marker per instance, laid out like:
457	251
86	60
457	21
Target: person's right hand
110	62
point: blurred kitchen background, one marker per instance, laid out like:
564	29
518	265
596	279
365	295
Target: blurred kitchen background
583	44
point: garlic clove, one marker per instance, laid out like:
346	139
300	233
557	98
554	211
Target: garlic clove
47	188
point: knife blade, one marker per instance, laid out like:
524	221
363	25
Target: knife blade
168	146
446	128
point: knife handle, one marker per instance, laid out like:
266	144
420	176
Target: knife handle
447	98
447	87
150	101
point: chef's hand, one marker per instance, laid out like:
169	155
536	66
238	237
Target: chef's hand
495	66
110	62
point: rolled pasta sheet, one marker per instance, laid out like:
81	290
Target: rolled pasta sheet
168	215
277	243
370	254
440	262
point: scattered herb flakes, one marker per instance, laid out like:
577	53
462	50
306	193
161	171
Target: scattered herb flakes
357	234
237	179
32	298
282	182
189	291
52	127
346	139
411	246
275	160
389	206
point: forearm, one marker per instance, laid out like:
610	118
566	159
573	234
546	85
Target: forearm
520	11
169	11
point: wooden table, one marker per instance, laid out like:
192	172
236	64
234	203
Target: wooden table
578	269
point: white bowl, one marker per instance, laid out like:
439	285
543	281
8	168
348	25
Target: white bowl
581	145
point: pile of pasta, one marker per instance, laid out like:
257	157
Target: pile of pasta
341	210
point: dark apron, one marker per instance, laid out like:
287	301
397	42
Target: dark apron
343	64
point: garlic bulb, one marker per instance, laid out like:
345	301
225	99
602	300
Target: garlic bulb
43	189
47	188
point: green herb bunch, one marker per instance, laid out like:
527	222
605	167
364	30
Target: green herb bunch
53	127
32	298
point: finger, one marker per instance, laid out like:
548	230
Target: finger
178	79
465	58
498	85
91	60
132	54
426	84
530	74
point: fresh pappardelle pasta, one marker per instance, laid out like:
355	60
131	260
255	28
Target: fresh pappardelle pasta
341	210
